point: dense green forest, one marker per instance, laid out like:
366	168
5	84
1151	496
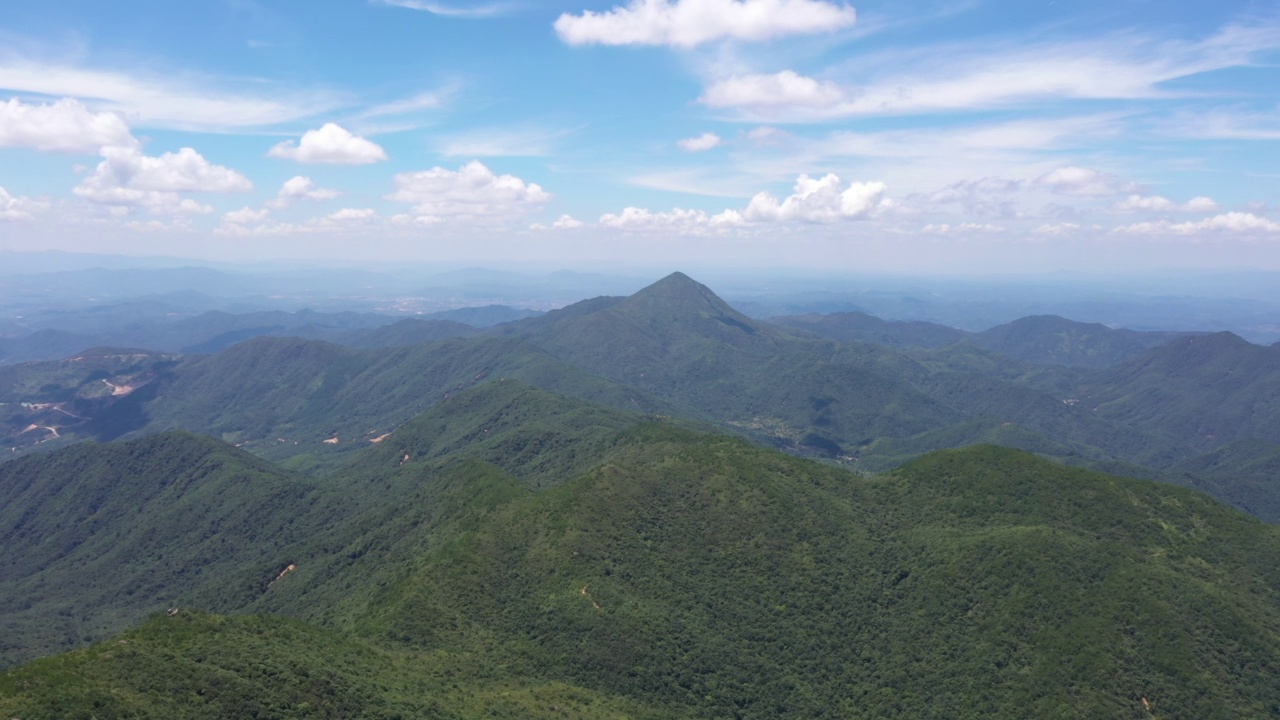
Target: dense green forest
514	553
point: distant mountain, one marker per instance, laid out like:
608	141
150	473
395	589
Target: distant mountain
42	345
410	331
1054	340
1245	474
484	316
1043	339
516	553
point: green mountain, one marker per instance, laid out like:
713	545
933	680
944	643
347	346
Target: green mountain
98	536
1205	391
581	561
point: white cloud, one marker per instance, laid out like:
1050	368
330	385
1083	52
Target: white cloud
1158	203
701	143
127	178
688	23
1084	182
1232	222
978	75
245	216
16	208
785	90
766	135
678	221
470	10
330	144
1056	228
564	222
63	126
300	188
174	100
820	200
352	215
473	191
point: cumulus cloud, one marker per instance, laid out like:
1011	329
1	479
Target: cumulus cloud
127	178
245	216
821	200
678	221
1084	182
818	200
701	143
1232	222
688	23
346	215
16	208
331	144
63	126
564	222
300	187
787	89
473	191
1157	203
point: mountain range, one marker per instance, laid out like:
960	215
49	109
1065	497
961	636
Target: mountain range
644	506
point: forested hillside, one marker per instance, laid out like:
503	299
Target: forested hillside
514	553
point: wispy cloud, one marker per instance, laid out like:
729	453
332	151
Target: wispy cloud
175	102
457	10
977	76
1225	124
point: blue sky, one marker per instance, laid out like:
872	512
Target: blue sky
932	136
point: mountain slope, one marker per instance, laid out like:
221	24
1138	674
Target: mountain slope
1244	474
817	595
97	536
1206	391
689	574
676	340
861	327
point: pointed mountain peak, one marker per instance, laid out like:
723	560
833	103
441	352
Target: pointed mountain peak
678	289
678	300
